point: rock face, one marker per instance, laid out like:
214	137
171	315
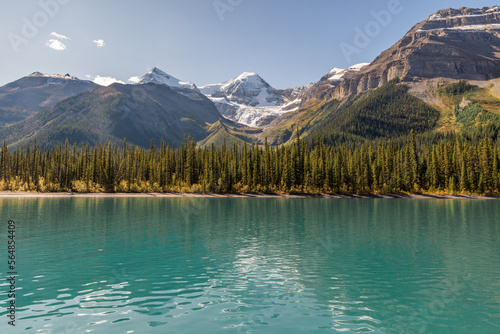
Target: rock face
328	82
453	43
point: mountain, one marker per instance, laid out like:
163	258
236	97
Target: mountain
452	43
37	91
157	76
416	85
138	113
329	81
250	100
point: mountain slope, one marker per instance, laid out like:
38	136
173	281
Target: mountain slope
328	82
229	133
37	91
452	43
116	112
387	112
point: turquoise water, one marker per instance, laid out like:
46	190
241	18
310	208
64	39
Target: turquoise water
180	265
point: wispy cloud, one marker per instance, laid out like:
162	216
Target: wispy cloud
99	43
55	44
60	36
103	81
134	79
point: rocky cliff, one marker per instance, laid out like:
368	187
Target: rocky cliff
453	43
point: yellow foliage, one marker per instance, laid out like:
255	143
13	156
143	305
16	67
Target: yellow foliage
122	187
79	187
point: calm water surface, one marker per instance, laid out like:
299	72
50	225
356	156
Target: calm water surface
180	265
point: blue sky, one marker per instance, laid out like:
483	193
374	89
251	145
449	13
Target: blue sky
289	43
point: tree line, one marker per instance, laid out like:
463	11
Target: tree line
459	166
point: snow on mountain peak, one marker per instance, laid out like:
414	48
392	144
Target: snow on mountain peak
157	72
335	70
249	76
464	12
53	76
249	88
249	80
358	67
337	74
247	99
463	19
159	77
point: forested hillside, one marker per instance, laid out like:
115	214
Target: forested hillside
386	112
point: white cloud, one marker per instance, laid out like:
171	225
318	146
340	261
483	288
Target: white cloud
56	35
99	43
104	81
134	79
55	44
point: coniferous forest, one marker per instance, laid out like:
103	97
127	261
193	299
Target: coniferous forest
458	166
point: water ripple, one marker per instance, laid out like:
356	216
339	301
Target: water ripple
274	266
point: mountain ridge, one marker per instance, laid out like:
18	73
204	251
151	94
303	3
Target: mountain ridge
471	54
30	94
449	46
114	112
157	76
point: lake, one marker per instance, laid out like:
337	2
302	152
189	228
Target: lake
253	265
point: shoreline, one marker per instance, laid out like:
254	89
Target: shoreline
190	195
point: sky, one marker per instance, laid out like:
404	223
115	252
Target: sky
289	43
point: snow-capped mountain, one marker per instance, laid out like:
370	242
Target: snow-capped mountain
452	44
56	77
328	82
32	93
159	77
338	74
248	99
248	88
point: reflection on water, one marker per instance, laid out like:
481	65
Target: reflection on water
156	265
